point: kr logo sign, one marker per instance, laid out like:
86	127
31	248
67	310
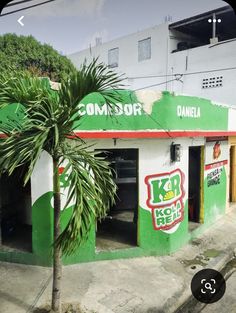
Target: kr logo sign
64	183
165	198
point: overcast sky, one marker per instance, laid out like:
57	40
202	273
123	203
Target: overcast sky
71	25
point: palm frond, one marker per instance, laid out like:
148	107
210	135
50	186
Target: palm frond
21	87
48	125
96	77
20	149
91	189
24	142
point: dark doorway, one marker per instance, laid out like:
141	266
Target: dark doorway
194	186
15	209
119	229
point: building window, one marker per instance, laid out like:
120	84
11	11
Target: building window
212	82
113	57
144	49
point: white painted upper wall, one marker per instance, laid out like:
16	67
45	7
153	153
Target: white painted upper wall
128	54
206	58
155	153
232	120
163	63
41	181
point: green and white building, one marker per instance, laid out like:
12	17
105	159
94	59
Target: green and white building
174	157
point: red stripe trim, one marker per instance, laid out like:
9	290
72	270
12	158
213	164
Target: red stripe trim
216	164
152	134
148	134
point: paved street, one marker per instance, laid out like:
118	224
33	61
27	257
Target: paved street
147	284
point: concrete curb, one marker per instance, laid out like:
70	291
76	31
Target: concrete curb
217	263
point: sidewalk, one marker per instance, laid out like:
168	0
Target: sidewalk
147	284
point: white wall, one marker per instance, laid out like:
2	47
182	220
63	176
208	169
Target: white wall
162	62
41	179
232	120
206	58
154	156
128	55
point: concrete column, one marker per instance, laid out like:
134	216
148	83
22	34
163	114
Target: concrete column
213	26
233	173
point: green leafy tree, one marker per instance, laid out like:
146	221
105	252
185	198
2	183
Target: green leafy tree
48	125
26	53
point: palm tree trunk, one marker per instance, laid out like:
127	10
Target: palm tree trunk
57	264
0	212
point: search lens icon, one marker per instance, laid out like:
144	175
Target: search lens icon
208	286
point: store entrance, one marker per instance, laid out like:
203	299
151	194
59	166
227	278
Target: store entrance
194	187
15	212
119	229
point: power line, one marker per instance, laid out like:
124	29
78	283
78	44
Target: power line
177	78
149	115
183	74
26	8
167	81
16	3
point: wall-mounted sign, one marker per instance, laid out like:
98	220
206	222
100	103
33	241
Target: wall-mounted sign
104	109
150	111
216	158
216	138
188	111
213	172
64	185
165	198
216	150
213	177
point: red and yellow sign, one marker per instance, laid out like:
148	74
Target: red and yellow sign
165	198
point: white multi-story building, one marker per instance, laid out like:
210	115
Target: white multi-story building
195	56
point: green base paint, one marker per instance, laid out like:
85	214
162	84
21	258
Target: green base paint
150	241
215	199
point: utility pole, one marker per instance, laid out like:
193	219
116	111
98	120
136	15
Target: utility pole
214	26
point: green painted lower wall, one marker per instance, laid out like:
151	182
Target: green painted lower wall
215	199
150	241
42	230
159	241
86	250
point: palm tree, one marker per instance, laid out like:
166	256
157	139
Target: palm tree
48	125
